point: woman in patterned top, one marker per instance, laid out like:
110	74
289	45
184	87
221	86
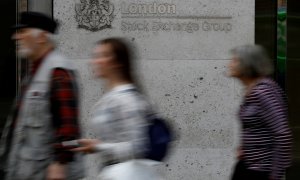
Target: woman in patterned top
265	150
119	116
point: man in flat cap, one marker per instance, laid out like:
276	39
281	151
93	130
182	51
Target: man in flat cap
46	113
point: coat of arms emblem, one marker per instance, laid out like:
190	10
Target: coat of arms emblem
94	15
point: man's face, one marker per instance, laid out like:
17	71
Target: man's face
27	42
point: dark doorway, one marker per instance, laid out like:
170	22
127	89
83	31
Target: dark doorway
8	58
292	81
8	63
285	51
265	25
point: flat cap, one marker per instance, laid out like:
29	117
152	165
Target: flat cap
36	20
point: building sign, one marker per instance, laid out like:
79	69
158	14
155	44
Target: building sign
162	29
160	16
96	15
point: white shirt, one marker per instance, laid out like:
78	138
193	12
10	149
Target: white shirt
120	124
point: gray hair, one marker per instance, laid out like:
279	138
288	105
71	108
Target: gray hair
254	61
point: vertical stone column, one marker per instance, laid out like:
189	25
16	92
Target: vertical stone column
21	66
22	5
44	6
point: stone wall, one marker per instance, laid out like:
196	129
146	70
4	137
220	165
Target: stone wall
182	53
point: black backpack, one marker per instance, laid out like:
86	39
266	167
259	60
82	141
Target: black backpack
160	137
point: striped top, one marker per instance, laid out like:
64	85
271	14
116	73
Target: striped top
266	136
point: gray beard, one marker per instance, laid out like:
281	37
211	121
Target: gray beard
24	52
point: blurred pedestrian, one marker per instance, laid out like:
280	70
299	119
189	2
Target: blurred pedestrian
265	150
46	113
119	117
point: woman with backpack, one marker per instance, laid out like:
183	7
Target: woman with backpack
119	117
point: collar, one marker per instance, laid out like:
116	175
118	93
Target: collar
122	87
116	90
36	64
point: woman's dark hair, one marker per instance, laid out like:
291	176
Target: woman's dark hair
122	55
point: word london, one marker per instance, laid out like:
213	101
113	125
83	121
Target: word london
152	8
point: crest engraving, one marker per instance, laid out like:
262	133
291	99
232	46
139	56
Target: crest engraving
94	15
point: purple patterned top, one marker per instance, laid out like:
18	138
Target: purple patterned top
266	136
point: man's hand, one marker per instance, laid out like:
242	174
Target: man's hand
56	171
86	145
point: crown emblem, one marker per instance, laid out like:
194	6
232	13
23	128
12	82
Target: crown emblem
94	15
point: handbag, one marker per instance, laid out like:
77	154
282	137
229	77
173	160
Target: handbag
135	169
